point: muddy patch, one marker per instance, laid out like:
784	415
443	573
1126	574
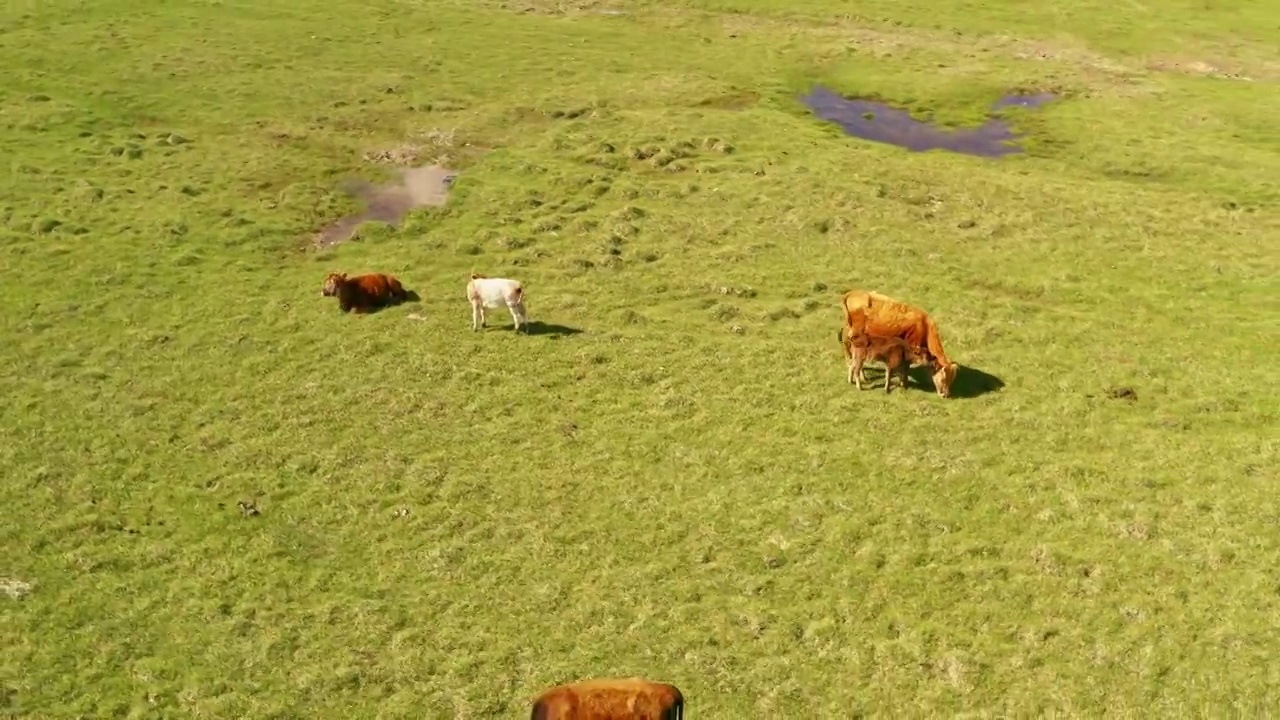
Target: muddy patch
1198	67
1122	393
875	121
418	187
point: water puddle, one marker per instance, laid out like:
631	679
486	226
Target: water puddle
878	122
418	188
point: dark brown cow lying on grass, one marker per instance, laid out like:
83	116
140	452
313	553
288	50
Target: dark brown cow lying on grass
895	353
363	292
871	313
610	699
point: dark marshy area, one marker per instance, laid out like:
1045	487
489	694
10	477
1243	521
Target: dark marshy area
878	122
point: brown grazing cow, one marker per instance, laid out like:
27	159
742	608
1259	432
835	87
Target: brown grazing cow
363	292
895	353
610	699
877	314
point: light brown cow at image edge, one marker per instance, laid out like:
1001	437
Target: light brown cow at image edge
610	699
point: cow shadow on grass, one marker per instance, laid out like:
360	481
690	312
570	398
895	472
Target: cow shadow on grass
537	327
970	382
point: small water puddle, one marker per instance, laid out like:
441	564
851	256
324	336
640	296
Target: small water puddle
875	121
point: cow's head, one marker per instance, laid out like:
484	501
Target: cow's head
943	375
331	283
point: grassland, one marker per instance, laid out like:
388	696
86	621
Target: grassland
686	489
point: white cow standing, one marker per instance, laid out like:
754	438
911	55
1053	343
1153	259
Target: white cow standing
485	292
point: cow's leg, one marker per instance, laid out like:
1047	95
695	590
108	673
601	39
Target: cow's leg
524	315
889	372
856	369
899	371
515	314
477	316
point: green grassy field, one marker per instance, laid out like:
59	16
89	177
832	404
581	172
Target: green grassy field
687	488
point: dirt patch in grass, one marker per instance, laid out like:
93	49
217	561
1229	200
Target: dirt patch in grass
875	121
15	589
1199	67
1122	393
419	187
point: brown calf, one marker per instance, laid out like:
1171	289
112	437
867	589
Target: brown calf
363	292
895	353
610	699
867	312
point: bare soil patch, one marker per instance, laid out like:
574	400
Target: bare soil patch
15	589
1122	393
1201	68
419	187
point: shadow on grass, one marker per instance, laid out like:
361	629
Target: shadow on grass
970	382
534	327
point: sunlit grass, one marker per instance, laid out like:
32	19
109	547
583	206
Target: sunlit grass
687	488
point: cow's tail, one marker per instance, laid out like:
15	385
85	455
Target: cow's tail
850	311
855	323
519	293
677	707
864	306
